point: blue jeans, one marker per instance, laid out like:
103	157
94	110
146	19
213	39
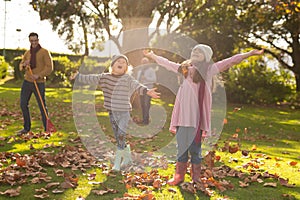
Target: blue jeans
145	104
119	121
185	144
26	91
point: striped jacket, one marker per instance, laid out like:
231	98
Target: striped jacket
117	90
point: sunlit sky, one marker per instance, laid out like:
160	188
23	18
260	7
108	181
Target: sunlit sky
20	15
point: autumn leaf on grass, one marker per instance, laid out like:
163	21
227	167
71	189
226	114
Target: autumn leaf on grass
236	109
172	190
58	191
278	158
41	190
157	183
12	192
100	192
189	187
284	182
50	185
233	148
245	152
270	184
41	196
243	184
20	162
254	147
92	176
292	163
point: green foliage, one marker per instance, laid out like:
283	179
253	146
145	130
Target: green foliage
93	66
253	81
3	67
18	75
63	69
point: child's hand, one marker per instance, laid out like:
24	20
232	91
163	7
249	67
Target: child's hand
257	52
73	75
152	93
148	53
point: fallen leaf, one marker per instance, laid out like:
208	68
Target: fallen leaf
12	192
293	163
233	148
270	184
41	196
243	185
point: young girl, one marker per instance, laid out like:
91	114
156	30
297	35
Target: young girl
117	87
194	95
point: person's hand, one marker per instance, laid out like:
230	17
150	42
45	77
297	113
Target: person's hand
148	53
25	64
73	75
152	93
257	52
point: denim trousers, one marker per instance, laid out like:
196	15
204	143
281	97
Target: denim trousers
26	91
119	121
185	144
145	104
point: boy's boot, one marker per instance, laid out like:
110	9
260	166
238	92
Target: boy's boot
118	159
179	174
126	156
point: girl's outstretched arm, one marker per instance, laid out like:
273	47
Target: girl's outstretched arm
169	65
234	60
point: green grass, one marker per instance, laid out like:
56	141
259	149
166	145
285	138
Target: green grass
274	131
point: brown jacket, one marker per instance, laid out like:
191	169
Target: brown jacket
44	64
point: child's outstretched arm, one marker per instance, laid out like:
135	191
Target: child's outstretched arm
234	60
169	65
91	79
152	93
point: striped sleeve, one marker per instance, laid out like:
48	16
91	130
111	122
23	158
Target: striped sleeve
91	79
135	85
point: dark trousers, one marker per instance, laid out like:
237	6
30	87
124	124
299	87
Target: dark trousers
145	101
26	91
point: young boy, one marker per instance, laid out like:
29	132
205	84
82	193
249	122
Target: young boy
117	87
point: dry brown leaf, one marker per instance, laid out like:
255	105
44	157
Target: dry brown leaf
100	192
41	190
50	185
284	182
189	187
20	162
58	191
233	148
12	192
172	190
270	184
157	183
66	185
292	163
243	184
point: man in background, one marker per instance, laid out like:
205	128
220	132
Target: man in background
39	60
147	76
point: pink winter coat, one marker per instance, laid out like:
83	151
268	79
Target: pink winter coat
185	112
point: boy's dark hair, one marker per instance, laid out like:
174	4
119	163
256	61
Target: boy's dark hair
33	34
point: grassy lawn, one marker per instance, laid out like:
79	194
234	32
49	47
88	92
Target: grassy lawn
265	164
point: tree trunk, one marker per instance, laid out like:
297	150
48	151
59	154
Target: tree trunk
136	17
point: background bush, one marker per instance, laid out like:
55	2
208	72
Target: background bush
253	81
3	68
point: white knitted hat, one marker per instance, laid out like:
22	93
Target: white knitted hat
206	50
116	57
